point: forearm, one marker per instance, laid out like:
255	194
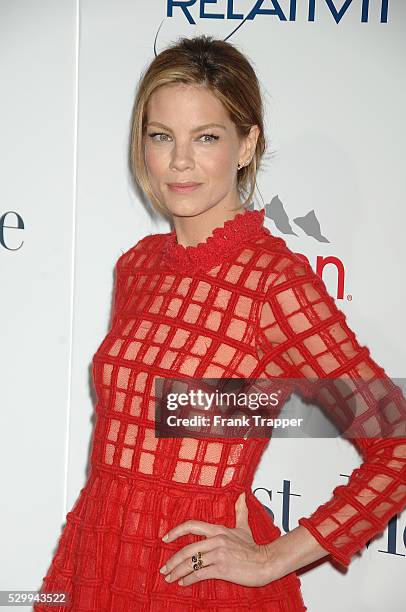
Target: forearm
292	551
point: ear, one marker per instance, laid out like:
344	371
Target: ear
248	144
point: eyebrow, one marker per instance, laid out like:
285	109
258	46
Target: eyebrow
197	129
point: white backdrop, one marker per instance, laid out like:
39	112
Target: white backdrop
334	89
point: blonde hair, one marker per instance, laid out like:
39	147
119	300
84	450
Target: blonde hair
228	74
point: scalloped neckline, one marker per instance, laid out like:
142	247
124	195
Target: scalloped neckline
220	244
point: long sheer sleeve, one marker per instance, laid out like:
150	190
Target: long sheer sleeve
302	334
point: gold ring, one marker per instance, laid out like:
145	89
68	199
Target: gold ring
197	561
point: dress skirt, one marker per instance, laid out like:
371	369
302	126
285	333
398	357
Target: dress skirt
110	551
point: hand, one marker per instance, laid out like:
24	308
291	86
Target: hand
228	554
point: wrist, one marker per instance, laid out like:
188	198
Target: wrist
273	565
291	551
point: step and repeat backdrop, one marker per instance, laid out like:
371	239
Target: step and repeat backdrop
332	183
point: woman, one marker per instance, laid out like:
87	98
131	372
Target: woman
171	523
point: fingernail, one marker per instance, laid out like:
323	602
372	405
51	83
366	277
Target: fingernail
163	569
168	577
165	537
180	581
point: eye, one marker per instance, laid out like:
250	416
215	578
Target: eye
211	137
154	134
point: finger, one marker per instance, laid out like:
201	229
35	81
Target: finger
240	499
196	576
189	565
241	513
193	526
186	553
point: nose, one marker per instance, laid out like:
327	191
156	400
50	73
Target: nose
182	157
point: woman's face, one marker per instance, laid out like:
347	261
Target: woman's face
190	138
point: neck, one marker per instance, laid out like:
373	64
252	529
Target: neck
194	229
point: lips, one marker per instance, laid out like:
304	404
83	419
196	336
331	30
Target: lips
191	184
183	187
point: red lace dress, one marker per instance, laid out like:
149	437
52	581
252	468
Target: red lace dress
238	305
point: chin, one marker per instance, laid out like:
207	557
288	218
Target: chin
182	208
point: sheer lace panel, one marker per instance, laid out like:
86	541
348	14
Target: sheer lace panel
164	325
303	334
